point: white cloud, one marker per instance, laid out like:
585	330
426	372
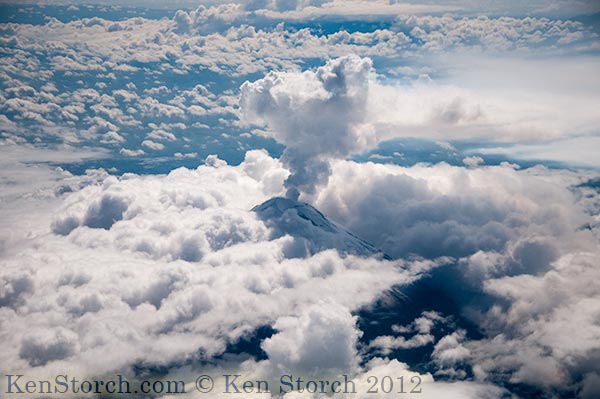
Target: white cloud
42	347
105	280
481	32
446	210
149	263
186	155
450	351
321	339
536	270
153	145
303	10
141	269
444	109
553	310
24	186
578	151
374	111
421	327
161	134
131	153
472	162
113	138
313	98
423	385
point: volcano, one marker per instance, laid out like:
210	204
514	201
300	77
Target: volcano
312	230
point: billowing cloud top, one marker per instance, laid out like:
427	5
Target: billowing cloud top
316	115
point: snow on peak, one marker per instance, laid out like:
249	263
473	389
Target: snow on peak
312	231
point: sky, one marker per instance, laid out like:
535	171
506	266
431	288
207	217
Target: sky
323	188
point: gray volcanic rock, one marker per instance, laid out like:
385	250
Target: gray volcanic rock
311	229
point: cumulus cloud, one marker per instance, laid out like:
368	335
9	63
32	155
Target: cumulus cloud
320	342
441	33
449	352
340	109
550	341
112	137
131	153
233	41
149	263
209	19
153	145
420	328
473	162
299	108
458	212
527	271
46	346
422	385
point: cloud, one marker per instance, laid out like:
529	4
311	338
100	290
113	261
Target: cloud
27	182
131	153
449	352
553	310
149	263
421	327
103	273
499	102
186	155
315	9
243	42
113	138
482	32
472	162
298	108
527	267
457	213
104	213
153	145
14	287
45	346
420	384
238	42
335	8
341	109
205	20
321	339
578	151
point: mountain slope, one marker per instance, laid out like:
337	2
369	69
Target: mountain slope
311	229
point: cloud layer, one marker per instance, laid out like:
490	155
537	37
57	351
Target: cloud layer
147	265
140	270
80	82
